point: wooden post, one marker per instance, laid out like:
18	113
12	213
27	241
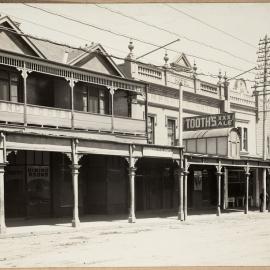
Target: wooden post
264	189
132	170
247	173
218	173
75	172
225	188
2	193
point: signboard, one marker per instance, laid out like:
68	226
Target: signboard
38	186
224	120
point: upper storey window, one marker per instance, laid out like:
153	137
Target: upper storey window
9	86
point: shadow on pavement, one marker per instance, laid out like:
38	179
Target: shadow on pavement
162	214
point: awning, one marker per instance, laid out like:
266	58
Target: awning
208	133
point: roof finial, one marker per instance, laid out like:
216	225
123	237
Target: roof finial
166	59
219	77
194	70
130	47
225	77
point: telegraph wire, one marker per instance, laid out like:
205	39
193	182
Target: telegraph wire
59	31
209	25
173	33
98	52
242	73
130	37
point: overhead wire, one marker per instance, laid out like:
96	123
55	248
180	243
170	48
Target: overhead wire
173	33
210	26
87	50
127	36
60	31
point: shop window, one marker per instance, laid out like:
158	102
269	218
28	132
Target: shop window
151	129
171	131
9	86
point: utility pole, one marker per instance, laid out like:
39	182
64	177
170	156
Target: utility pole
263	82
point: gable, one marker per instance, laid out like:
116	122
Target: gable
14	42
96	59
97	63
182	63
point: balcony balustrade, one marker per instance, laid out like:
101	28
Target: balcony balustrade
13	113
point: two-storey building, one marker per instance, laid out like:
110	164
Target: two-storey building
222	135
72	130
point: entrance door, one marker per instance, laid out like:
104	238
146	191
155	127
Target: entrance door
15	191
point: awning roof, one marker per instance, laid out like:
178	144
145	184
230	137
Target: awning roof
207	133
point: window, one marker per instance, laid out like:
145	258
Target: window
91	99
268	145
240	132
151	129
9	85
171	131
245	139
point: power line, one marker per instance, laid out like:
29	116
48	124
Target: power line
242	73
129	37
211	26
102	53
174	33
59	31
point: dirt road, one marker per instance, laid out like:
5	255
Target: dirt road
231	239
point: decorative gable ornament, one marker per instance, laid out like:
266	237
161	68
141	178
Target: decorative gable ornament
182	64
240	86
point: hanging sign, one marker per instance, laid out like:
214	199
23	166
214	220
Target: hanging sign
223	120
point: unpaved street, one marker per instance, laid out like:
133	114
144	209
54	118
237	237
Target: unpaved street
232	239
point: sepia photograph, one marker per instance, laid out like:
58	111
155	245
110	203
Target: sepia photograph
134	134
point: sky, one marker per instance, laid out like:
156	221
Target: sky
248	22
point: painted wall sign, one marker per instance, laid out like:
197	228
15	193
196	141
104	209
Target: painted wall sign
224	120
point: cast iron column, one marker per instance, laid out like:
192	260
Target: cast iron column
24	73
225	187
264	189
219	173
247	186
132	170
181	193
75	172
185	188
2	193
72	85
112	90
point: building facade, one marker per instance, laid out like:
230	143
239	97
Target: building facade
71	131
81	135
222	132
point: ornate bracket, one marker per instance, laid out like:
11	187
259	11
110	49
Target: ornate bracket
71	82
112	90
186	166
24	72
247	170
131	162
219	168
